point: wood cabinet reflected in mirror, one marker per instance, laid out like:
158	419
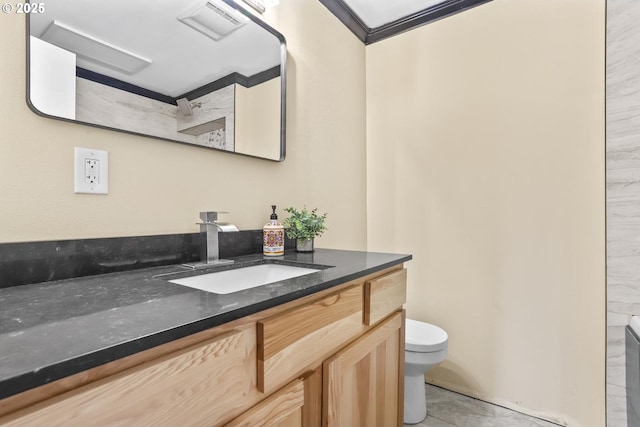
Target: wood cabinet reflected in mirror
201	72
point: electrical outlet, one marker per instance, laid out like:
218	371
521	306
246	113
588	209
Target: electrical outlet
91	171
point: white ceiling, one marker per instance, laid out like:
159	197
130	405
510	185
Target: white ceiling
375	13
182	58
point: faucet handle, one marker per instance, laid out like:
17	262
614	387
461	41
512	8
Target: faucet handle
210	216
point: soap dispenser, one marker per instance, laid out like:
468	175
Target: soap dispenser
273	236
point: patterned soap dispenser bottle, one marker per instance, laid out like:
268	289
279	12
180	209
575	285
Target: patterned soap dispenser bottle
273	236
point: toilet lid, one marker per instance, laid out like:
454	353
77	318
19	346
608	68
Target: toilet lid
423	337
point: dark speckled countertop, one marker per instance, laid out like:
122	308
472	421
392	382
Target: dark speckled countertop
55	329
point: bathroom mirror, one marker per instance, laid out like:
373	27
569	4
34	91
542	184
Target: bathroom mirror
201	72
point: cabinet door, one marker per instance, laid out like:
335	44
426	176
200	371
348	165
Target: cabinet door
363	384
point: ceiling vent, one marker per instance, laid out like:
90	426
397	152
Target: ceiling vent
92	49
214	19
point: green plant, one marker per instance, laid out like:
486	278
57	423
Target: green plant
303	224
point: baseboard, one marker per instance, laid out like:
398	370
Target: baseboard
456	388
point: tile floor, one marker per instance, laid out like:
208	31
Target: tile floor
448	409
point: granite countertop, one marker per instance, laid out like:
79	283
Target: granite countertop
55	329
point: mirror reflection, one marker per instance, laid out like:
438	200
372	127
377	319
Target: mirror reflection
202	72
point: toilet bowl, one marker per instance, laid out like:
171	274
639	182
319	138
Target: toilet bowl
425	347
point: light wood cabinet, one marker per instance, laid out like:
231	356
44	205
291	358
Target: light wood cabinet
334	358
364	382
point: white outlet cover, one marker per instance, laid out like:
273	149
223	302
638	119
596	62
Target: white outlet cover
98	183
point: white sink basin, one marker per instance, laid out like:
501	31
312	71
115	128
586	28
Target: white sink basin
226	282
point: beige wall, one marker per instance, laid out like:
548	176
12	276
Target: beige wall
257	124
159	187
485	160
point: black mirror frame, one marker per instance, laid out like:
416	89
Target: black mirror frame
283	90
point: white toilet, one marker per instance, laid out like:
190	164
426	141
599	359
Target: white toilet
425	347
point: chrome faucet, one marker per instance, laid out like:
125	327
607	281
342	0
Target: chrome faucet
209	228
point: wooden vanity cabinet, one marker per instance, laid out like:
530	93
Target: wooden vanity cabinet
334	358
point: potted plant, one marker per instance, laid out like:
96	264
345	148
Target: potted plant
304	226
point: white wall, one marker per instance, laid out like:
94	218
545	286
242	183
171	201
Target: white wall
159	187
485	160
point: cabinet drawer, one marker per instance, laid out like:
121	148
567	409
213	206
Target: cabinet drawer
291	342
200	385
384	295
